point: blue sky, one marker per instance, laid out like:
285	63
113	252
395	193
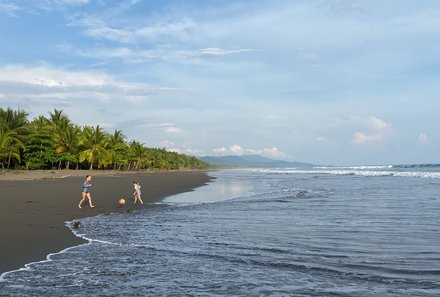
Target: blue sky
321	81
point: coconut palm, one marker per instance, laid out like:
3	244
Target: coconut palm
39	124
59	124
138	153
57	119
67	143
117	148
94	142
10	147
44	142
13	119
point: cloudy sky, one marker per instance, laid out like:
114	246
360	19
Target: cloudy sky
321	81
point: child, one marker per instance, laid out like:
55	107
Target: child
85	192
137	192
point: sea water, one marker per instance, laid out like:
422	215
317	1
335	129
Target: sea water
351	231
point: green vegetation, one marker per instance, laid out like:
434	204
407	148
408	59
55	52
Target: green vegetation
55	143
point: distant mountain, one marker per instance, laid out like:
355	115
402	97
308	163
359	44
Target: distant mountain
252	161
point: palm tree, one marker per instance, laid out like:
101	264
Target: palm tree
58	119
59	125
44	142
10	147
39	124
137	151
94	142
13	119
67	143
117	148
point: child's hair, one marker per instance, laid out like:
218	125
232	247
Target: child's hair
87	176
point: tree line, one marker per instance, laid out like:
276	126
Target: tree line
55	142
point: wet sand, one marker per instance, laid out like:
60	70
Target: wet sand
36	205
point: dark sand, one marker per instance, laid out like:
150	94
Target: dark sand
33	212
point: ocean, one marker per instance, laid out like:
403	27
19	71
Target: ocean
328	231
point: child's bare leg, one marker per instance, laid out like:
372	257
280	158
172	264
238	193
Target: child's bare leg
83	198
139	197
90	200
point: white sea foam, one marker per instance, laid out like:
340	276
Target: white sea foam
371	173
363	167
28	266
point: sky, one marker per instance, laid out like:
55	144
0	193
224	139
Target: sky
329	82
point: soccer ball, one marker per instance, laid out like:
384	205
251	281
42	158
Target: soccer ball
121	202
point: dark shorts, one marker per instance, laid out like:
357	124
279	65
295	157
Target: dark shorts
85	190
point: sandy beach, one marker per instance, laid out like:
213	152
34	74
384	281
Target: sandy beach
36	205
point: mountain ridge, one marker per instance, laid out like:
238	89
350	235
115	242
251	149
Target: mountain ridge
252	161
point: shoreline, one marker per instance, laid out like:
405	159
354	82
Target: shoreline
36	206
16	175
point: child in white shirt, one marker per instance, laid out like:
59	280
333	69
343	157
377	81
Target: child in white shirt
137	192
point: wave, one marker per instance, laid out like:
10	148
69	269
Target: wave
363	167
367	173
243	254
29	266
372	167
431	166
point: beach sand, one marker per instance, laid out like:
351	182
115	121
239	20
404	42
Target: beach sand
36	205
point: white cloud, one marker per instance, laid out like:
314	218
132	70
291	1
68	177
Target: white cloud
173	130
237	150
377	124
273	153
172	147
8	8
232	150
40	83
378	130
36	7
73	2
220	151
167	144
45	76
363	138
170	128
133	56
215	52
129	56
97	28
306	56
423	138
165	29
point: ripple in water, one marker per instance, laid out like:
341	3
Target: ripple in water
284	235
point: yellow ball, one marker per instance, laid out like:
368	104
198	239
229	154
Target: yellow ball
121	201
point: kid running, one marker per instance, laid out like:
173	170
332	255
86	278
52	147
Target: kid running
137	192
85	192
